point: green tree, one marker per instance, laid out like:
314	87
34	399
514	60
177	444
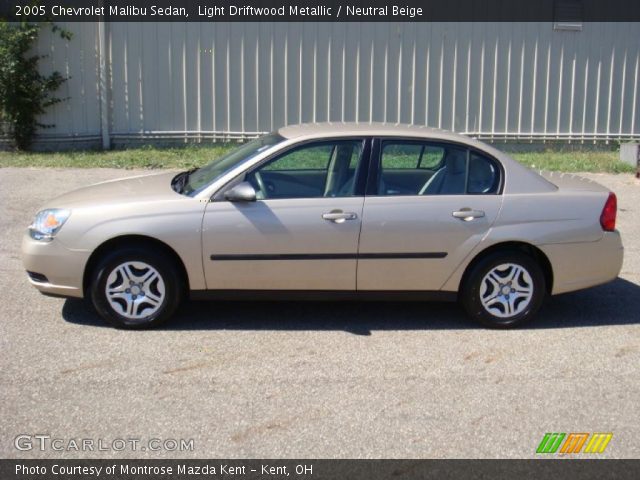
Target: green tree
24	92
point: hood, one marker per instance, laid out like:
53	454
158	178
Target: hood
144	188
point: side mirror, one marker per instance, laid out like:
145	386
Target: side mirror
242	192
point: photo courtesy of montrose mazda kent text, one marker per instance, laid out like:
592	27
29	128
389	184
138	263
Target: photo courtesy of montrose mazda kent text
330	211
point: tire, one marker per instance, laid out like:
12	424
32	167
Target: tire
504	289
136	288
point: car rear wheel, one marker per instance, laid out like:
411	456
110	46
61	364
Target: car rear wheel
135	288
504	290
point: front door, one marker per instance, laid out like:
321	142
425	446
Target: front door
302	231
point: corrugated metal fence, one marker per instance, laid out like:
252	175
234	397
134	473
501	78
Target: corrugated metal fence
500	81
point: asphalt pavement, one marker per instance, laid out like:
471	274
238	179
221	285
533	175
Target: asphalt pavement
311	380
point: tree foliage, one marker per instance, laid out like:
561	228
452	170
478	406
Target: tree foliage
25	93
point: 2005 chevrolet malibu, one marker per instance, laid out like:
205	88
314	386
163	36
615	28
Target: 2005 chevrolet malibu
333	211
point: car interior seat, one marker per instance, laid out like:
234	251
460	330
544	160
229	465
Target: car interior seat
338	180
450	178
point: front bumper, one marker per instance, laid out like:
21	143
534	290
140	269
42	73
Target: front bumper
62	267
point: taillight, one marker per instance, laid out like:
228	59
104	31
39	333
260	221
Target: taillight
608	215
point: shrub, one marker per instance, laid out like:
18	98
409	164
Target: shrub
24	92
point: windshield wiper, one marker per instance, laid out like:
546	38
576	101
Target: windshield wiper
180	180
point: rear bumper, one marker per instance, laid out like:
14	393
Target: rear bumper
582	265
54	269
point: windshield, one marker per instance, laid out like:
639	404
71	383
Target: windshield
204	176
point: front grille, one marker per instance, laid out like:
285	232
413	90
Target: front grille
37	277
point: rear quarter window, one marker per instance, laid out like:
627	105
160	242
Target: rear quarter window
483	175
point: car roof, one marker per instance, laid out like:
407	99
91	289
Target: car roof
374	129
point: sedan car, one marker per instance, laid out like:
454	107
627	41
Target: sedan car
330	211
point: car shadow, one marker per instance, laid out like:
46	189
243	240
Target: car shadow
616	303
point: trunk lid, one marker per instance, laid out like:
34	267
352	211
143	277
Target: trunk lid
571	181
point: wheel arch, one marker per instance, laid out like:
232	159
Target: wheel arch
132	241
538	255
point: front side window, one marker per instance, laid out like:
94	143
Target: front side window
319	169
424	168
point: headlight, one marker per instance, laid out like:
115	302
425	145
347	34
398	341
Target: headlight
47	223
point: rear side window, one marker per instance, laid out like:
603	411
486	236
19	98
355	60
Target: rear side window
411	156
422	168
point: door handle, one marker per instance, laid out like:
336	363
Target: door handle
466	214
338	216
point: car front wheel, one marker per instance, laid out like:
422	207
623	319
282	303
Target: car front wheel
504	290
135	288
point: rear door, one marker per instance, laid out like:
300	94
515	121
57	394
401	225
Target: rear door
420	223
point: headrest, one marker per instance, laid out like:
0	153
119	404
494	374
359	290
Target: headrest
456	161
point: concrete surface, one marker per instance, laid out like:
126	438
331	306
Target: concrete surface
315	380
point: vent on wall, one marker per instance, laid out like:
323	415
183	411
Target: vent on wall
567	15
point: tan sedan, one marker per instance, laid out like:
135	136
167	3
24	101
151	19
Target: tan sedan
330	211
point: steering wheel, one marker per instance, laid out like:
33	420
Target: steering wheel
260	182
